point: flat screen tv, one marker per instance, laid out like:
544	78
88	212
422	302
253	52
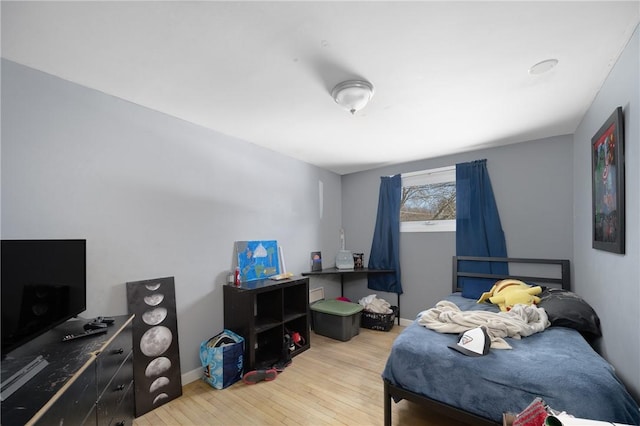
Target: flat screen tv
43	285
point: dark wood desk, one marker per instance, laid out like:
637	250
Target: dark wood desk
354	271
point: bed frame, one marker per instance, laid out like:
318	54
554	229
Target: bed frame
393	392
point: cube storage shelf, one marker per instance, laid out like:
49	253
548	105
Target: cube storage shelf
262	312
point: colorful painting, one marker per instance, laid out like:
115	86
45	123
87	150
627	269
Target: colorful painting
608	185
257	260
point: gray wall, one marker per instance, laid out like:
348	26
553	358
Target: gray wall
611	282
153	195
532	185
543	192
156	196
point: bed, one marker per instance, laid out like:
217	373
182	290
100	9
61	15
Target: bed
557	365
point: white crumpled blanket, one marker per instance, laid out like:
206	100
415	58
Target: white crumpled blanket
372	303
520	321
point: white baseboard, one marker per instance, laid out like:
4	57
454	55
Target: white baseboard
192	376
405	322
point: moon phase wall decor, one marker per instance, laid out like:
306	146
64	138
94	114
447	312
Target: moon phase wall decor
156	355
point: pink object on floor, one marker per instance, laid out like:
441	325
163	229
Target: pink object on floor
255	376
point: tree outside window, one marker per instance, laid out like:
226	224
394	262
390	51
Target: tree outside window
428	201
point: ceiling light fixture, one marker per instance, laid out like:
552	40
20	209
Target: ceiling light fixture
353	94
542	67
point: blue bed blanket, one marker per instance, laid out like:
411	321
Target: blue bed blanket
557	365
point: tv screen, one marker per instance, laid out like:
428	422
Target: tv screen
43	285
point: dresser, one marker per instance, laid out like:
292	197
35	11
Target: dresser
88	381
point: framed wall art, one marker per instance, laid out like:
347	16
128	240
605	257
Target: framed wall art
607	180
156	355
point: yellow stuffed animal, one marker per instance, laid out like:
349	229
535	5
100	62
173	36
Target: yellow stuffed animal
507	293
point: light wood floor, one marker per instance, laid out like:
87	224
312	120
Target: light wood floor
332	383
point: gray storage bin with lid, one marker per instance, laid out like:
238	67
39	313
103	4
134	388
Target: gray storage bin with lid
336	319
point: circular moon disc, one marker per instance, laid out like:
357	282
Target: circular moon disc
155	341
157	366
158	383
160	397
154	316
154	299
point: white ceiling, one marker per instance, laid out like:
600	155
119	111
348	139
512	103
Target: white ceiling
448	76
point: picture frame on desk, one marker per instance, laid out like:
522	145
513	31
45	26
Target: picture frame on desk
358	260
316	261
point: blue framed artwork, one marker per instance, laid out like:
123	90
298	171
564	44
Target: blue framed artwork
257	260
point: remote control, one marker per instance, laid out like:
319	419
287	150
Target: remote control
94	325
85	334
104	320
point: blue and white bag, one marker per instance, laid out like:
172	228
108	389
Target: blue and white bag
222	359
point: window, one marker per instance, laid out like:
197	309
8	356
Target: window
428	201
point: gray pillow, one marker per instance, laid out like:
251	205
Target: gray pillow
567	309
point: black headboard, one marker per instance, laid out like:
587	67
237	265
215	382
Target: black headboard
564	279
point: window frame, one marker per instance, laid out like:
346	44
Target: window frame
426	177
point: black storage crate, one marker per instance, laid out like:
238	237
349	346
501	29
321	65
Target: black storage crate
376	321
